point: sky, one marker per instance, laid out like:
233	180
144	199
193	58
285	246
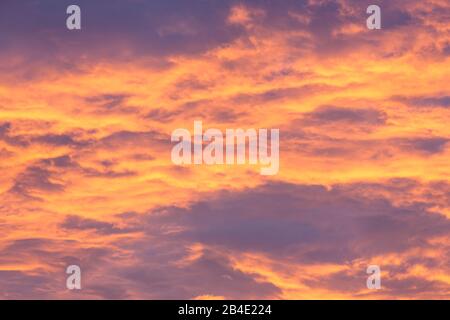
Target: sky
86	176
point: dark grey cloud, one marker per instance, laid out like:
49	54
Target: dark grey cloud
9	138
427	146
280	94
4	129
398	284
50	282
397	18
113	29
310	135
91	172
228	115
442	101
108	274
35	179
47	175
43	176
135	138
79	223
299	224
311	223
156	30
334	114
57	140
108	101
64	161
192	84
304	224
161	115
155	276
325	17
18	285
446	49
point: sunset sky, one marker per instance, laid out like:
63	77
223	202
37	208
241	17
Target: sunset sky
86	176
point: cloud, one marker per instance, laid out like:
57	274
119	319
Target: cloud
429	146
135	140
162	115
52	139
289	224
79	223
64	161
310	223
108	101
280	94
86	123
57	140
6	136
13	284
35	179
426	101
113	30
47	278
158	279
307	225
333	114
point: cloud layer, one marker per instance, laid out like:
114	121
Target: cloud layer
86	176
